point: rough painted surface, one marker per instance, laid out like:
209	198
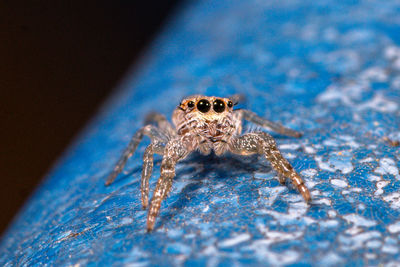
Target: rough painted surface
329	69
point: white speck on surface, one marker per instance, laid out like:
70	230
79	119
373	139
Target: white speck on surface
374	178
289	155
179	248
265	255
333	93
296	213
361	206
289	146
370	256
374	244
315	193
353	230
394	228
374	74
390	240
366	160
331	142
332	213
309	172
359	220
210	250
261	175
393	199
379	103
63	235
174	233
206	208
349	141
329	223
270	194
310	184
324	165
310	150
234	240
392	52
372	146
323	201
126	221
390	249
379	186
358	241
272	237
137	264
345	93
330	259
336	162
339	182
388	166
356	189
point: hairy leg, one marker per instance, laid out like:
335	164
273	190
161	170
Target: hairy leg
148	130
263	143
148	169
163	124
276	127
174	151
237	98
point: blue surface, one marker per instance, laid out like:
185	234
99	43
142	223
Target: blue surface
328	68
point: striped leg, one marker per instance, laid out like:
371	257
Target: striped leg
263	143
149	130
162	123
148	169
173	152
276	127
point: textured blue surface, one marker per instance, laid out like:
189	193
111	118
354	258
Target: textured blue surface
328	68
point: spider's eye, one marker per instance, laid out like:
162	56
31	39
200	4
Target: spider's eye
203	105
219	106
190	104
230	104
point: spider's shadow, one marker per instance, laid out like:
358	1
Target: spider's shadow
200	168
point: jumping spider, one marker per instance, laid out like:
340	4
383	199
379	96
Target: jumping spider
203	123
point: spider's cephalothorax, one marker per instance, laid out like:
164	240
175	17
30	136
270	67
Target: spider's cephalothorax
206	122
203	123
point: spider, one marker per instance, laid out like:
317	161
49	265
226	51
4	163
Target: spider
204	123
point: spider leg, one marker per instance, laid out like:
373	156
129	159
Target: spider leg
163	124
276	127
237	98
263	143
174	151
149	130
147	170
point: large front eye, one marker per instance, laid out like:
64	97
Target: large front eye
219	106
203	105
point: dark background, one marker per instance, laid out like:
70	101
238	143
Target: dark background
58	61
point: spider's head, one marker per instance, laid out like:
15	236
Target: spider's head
208	108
